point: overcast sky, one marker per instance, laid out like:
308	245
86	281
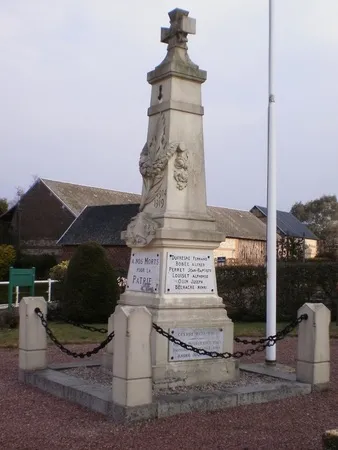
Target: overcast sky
74	95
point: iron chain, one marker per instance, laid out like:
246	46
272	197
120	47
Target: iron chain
263	342
49	332
277	337
266	342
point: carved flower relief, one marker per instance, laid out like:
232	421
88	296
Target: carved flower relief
141	230
181	167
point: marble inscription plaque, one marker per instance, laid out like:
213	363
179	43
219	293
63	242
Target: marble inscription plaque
144	272
210	339
190	273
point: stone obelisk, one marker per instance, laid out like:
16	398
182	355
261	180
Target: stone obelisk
172	238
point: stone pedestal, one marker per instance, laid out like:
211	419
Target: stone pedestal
197	313
32	335
172	238
330	440
313	355
132	384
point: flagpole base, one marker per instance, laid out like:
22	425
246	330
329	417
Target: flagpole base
270	363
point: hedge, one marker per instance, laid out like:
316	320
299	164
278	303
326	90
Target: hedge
243	289
91	291
7	259
42	264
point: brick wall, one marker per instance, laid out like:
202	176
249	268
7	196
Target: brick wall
40	220
66	253
119	256
40	247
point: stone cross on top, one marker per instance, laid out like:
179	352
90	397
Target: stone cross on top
180	26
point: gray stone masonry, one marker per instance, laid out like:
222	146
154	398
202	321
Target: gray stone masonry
98	397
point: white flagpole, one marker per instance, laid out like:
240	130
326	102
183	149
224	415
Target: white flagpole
271	268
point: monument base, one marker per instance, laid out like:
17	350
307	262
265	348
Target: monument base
174	277
208	328
202	326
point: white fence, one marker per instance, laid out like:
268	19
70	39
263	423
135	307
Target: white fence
17	290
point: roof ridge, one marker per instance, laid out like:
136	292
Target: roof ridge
288	223
277	210
88	186
117	205
231	209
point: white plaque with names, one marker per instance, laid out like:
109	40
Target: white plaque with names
210	339
144	272
190	273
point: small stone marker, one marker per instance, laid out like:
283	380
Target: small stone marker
32	335
313	355
330	440
132	383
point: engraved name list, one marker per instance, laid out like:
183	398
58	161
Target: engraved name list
190	273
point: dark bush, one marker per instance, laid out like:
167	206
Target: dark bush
54	312
121	272
9	318
42	264
90	290
243	289
7	259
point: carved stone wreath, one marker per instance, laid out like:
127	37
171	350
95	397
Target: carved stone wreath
153	161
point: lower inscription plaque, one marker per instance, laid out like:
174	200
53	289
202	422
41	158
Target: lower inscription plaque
210	339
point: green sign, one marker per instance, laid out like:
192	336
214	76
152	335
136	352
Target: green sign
22	278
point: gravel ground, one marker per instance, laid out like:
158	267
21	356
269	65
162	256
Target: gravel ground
95	375
33	420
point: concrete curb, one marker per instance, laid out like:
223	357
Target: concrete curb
98	398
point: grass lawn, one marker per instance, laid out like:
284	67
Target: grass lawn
257	329
68	334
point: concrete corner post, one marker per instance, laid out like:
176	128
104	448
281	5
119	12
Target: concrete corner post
132	379
330	440
32	335
313	355
107	355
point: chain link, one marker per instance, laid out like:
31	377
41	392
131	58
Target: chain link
49	332
267	342
270	341
277	337
79	325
